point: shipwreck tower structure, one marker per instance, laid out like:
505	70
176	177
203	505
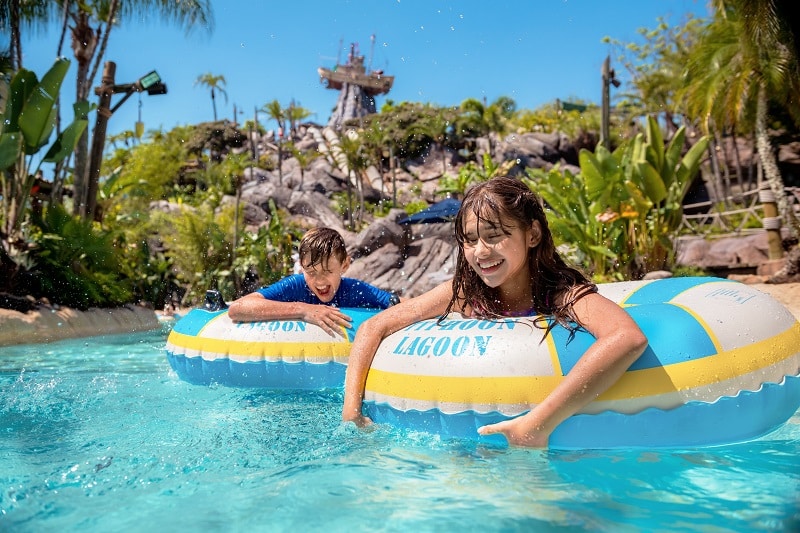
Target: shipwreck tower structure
357	87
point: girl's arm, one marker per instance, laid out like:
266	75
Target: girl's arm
619	342
373	331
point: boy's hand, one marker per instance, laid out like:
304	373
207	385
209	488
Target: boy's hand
328	318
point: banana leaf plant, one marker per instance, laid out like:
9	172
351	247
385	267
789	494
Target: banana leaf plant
28	121
625	207
660	177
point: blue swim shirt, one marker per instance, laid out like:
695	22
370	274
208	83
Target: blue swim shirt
352	293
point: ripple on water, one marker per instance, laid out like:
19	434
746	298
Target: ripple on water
101	435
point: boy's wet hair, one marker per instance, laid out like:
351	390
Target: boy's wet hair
320	244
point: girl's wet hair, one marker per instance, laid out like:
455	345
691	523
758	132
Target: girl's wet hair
320	244
506	203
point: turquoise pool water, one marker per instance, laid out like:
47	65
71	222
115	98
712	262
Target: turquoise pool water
100	435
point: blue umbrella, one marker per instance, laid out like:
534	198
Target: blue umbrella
444	211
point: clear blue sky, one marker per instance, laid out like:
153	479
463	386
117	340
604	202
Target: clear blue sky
440	51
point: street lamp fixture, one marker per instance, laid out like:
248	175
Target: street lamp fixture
149	79
150	82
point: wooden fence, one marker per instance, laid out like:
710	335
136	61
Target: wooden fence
711	219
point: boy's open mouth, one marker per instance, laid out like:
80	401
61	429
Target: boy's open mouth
323	291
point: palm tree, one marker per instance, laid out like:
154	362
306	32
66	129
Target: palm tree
357	163
656	67
295	114
91	27
216	84
477	118
437	127
304	159
12	15
741	62
381	140
277	113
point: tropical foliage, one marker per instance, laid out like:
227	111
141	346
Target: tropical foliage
27	123
656	66
744	60
472	173
624	208
91	25
573	119
77	265
269	250
170	201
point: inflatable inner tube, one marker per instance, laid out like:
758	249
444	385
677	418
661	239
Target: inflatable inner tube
722	366
206	347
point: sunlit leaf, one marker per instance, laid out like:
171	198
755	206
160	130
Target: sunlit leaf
653	185
66	142
10	149
21	86
38	116
655	141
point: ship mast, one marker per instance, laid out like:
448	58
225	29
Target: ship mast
371	51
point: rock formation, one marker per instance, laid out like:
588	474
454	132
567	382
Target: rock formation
353	103
410	259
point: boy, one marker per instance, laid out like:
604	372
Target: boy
314	295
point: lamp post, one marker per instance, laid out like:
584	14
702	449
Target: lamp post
608	79
150	82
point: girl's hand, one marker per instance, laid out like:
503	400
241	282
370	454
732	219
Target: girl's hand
330	319
517	433
359	420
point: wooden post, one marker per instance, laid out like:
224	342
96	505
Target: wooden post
255	136
771	222
87	198
393	166
606	111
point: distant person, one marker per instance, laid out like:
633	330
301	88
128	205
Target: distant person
316	294
508	266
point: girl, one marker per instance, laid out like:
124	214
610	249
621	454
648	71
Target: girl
508	266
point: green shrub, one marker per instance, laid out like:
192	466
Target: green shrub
77	265
684	271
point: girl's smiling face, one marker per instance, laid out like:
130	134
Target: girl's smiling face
324	278
497	250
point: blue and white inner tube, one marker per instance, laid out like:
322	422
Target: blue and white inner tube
722	366
206	347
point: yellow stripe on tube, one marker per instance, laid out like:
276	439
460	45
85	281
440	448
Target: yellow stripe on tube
260	350
634	384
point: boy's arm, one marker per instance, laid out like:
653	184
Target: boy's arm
254	308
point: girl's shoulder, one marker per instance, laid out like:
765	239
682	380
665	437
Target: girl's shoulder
567	296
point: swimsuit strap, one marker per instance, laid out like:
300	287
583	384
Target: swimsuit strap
528	312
